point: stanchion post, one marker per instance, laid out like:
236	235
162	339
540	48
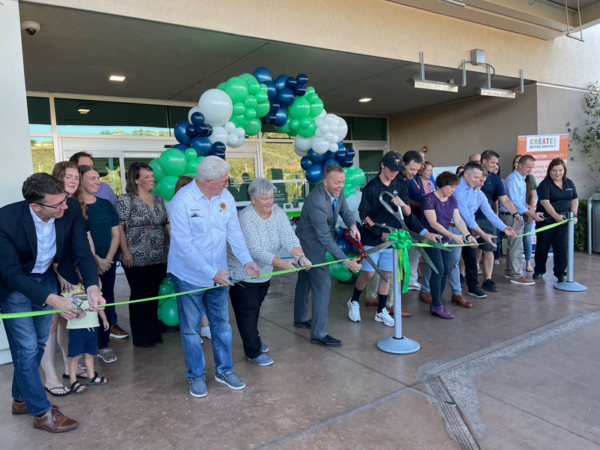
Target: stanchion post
570	285
397	343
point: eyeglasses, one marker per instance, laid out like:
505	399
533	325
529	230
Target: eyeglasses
57	205
220	183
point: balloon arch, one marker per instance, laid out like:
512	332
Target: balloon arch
240	107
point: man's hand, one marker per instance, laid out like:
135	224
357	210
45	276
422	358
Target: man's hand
488	237
384	237
94	297
355	232
457	238
60	302
472	241
127	260
433	236
509	232
252	269
398	201
221	277
353	265
534	216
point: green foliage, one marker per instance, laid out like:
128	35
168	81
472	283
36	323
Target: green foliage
581	232
590	137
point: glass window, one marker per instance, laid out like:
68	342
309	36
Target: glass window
177	114
369	162
240	174
42	154
109	170
369	129
38	109
280	162
112	118
290	194
349	123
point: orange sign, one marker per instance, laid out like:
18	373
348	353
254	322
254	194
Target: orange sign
544	148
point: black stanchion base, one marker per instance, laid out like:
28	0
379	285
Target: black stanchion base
166	329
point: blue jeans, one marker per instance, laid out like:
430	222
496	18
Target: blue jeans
527	240
453	269
27	338
190	307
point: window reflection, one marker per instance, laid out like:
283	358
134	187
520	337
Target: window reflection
42	154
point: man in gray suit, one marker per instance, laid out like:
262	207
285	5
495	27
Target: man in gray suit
316	231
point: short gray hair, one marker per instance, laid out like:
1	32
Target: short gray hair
211	168
261	186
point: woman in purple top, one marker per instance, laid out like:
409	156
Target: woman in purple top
439	214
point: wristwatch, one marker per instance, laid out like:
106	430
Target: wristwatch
468	236
516	214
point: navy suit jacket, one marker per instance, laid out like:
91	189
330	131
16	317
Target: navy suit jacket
18	250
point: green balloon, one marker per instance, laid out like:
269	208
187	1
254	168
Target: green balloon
168	281
253	127
191	154
250	113
359	177
239	120
237	89
167	314
164	289
262	109
200	158
284	128
300	108
247	77
316	107
250	101
307	127
157	170
173	162
166	187
239	108
329	257
310	90
192	167
262	96
222	86
253	87
294	124
311	97
348	190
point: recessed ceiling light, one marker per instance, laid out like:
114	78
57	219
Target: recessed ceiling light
365	99
83	111
116	78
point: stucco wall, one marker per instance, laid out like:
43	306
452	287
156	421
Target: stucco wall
372	27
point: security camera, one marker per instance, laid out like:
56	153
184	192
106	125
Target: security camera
30	27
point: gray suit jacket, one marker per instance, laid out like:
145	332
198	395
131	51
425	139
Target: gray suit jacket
317	224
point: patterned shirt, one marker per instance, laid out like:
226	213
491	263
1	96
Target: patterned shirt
265	238
146	237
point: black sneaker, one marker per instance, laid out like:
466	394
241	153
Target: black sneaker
489	285
537	275
463	279
327	341
561	278
476	292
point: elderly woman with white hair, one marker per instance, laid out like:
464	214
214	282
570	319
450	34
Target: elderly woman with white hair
267	230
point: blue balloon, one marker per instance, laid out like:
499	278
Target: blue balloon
191	131
291	82
329	154
181	134
302	79
204	130
340	155
218	149
314	173
344	245
282	117
300	90
286	97
269	119
315	157
280	82
275	106
341	145
350	153
347	162
197	118
271	90
329	162
340	232
182	147
263	75
202	145
305	163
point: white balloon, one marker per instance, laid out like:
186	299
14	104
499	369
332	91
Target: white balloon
333	127
240	132
230	127
319	123
323	114
329	118
353	202
239	143
318	133
324	128
219	135
333	148
302	143
233	139
192	111
216	106
318	144
330	137
342	130
300	153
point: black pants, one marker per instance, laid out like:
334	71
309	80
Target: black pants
143	317
437	281
470	259
557	238
108	292
246	302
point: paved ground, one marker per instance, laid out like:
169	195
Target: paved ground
518	371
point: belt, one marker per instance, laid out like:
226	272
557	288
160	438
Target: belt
505	213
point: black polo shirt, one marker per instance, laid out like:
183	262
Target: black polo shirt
373	208
560	199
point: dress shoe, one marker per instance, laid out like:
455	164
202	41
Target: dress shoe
117	332
54	422
303	324
536	275
372	302
404	312
442	313
522	281
461	301
327	341
426	297
19	409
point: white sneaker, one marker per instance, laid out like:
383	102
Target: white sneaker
353	311
414	286
384	316
205	332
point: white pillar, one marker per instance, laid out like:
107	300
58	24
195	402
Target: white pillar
15	149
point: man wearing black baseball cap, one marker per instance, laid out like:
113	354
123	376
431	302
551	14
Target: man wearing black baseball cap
372	211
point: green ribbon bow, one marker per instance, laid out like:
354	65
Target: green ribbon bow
402	242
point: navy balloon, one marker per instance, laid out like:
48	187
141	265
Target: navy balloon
218	149
270	118
341	145
202	145
182	147
315	157
197	118
263	75
286	97
347	162
340	155
329	162
282	117
329	154
350	153
302	78
340	232
300	90
305	163
204	130
271	90
291	82
275	106
344	245
280	82
180	133
191	130
314	173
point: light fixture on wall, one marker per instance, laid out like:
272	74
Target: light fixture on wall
365	99
117	78
83	111
487	89
418	80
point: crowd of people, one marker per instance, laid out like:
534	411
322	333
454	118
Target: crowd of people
65	239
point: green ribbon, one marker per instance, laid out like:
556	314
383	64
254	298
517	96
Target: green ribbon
402	242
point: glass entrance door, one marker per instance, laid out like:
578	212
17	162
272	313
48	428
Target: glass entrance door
243	169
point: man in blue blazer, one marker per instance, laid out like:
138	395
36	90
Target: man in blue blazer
47	227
